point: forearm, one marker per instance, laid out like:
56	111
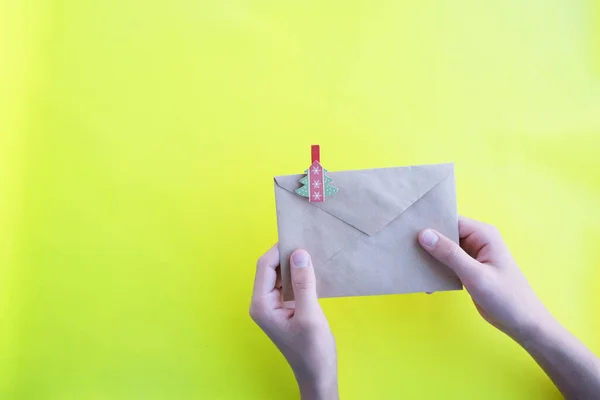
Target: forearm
573	368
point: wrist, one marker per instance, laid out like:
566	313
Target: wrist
322	387
541	329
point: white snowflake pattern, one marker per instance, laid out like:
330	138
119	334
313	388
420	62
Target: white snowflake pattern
316	170
316	184
317	196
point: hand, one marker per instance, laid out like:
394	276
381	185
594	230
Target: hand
488	271
302	332
504	298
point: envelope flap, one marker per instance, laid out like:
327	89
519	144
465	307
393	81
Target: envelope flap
370	199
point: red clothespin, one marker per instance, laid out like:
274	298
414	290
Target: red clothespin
316	183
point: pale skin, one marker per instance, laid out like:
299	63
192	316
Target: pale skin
488	272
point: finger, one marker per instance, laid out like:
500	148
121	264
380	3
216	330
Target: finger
278	281
273	299
469	229
303	282
291	304
468	226
448	252
472	236
266	276
481	241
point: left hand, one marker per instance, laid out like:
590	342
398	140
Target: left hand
302	332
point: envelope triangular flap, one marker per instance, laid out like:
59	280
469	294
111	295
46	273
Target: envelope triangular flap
370	199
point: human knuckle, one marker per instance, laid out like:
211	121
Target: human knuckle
451	253
261	261
302	283
256	311
491	230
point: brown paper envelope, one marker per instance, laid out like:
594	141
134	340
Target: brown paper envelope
363	240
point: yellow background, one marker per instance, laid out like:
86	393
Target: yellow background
138	144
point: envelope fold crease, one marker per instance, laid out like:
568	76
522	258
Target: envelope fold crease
384	192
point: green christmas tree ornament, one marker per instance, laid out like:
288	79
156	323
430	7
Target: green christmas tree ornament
316	185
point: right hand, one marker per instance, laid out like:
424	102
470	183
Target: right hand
490	274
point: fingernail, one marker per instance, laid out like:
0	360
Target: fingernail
300	259
429	238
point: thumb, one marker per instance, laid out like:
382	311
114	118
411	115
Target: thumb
448	252
303	281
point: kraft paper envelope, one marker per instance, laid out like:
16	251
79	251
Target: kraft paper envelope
363	239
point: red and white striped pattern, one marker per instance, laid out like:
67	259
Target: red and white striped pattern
315	183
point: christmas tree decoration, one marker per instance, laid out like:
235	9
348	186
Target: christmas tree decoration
316	183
